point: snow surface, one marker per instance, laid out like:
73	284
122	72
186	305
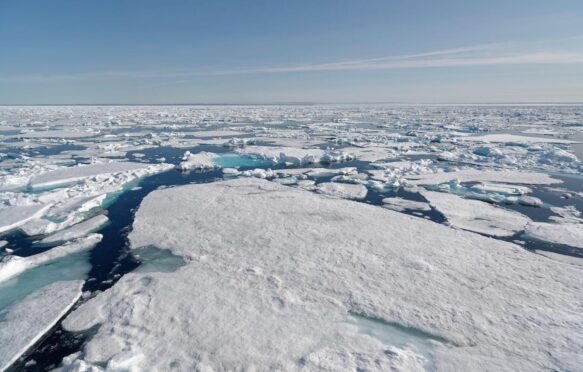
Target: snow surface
11	266
513	138
475	175
13	217
274	274
201	161
77	231
26	322
477	216
400	204
68	175
561	233
342	190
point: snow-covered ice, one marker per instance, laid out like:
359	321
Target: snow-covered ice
512	138
16	216
342	190
11	266
301	278
27	321
278	289
201	161
477	216
561	233
400	204
69	175
474	175
77	231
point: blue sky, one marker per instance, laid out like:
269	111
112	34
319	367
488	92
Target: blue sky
189	51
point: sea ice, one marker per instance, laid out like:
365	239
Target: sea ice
69	175
400	205
272	275
567	233
77	231
27	321
476	175
513	138
342	190
11	266
201	161
477	216
282	155
16	216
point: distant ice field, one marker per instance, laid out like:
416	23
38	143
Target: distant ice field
73	179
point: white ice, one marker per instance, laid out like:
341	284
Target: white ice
64	176
342	190
400	205
273	274
27	321
16	216
477	216
77	231
513	138
567	233
11	266
200	161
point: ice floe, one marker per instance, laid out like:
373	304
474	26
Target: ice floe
26	322
477	216
278	290
69	175
11	266
512	138
77	231
400	204
342	190
200	161
475	175
567	233
13	217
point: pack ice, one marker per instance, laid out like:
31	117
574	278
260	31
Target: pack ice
275	277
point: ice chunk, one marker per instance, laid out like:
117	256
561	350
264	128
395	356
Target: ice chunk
59	133
515	139
475	175
28	320
501	188
569	213
400	204
290	155
342	190
69	175
11	266
328	172
477	216
231	171
16	216
203	160
530	201
77	231
561	233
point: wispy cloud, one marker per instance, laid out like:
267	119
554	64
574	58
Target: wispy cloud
478	55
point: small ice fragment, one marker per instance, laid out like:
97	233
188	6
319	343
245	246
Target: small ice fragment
342	190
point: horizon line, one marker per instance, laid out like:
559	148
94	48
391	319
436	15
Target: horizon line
298	103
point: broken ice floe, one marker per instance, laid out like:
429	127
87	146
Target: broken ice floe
27	321
459	286
11	266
